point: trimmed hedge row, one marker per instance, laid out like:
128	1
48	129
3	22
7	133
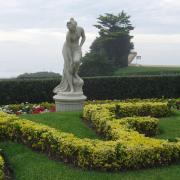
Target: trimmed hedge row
155	109
63	146
132	107
137	150
144	125
33	91
134	120
17	91
2	166
132	87
126	148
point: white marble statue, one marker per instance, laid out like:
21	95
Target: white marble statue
71	82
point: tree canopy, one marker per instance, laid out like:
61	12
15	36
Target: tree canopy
39	75
113	44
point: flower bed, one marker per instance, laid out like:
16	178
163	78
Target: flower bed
28	108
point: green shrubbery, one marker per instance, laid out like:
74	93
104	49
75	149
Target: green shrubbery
134	120
33	91
139	150
2	174
175	103
155	109
125	149
144	125
142	87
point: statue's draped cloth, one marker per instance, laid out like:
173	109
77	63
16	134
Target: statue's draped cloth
70	54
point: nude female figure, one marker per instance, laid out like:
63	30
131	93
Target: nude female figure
72	54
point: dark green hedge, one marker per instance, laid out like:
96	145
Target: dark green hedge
133	87
17	91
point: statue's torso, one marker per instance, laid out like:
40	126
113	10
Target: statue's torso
72	38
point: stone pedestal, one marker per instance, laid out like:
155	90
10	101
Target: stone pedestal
66	101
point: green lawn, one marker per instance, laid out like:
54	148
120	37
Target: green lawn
67	122
170	126
146	70
30	165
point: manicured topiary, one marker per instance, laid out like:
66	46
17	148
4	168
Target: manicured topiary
2	164
125	148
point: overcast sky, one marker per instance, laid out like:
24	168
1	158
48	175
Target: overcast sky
32	32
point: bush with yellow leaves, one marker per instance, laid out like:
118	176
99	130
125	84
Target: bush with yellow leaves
125	147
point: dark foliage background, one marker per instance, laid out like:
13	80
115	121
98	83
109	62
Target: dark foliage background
18	91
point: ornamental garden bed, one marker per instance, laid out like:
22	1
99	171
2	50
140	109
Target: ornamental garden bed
125	147
38	108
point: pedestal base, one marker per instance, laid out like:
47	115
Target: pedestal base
69	101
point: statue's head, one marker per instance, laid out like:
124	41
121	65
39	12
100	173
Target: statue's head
72	24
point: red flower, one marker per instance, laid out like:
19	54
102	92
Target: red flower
37	110
18	113
52	109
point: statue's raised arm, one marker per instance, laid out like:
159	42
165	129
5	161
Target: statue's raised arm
83	37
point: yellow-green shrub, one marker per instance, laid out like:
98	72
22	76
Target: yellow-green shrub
2	175
154	109
125	149
137	148
129	109
145	125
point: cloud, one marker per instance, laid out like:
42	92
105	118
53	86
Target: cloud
158	49
8	3
30	35
148	16
38	36
32	32
32	50
157	38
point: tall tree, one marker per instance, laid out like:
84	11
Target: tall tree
114	39
111	49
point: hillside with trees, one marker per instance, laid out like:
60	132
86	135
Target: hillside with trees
39	75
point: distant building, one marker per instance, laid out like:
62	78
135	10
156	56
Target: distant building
131	57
